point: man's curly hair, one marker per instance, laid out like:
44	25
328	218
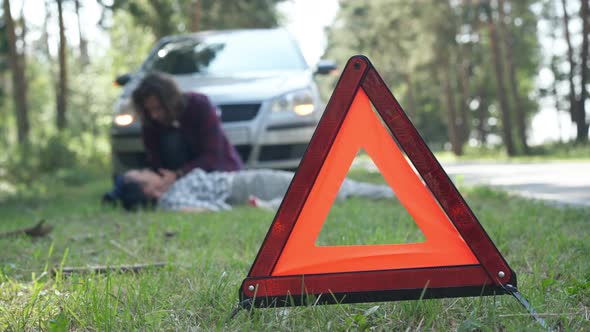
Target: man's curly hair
163	87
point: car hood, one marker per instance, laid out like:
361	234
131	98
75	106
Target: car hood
248	87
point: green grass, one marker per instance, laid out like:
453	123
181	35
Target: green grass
210	254
547	152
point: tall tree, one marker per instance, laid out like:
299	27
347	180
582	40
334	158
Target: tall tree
22	37
165	17
445	32
570	60
19	83
44	40
580	118
410	60
160	16
196	18
506	33
465	62
474	75
550	14
463	77
556	97
437	57
44	43
500	88
62	88
231	14
452	127
83	43
482	132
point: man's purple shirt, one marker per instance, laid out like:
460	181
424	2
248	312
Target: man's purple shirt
200	126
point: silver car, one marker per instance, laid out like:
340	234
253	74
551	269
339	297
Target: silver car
264	90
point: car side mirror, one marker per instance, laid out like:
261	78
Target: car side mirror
325	67
121	80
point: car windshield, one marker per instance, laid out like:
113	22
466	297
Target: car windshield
231	53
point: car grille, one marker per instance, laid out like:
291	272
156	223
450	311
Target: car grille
244	151
238	112
282	152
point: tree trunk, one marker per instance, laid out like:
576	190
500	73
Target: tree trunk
500	90
44	31
554	91
23	37
464	127
464	64
453	133
570	59
45	44
520	112
557	104
411	109
482	133
582	126
84	58
19	83
163	24
196	18
63	77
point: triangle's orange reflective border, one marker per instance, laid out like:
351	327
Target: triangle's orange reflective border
277	275
362	129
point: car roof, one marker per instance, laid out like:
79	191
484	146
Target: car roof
206	33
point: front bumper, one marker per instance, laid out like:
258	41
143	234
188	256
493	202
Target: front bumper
279	147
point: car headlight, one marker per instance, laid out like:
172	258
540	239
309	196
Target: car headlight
299	102
124	113
123	119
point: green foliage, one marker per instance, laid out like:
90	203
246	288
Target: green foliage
562	151
411	44
91	100
395	37
18	165
40	102
227	14
548	152
125	35
59	323
3	48
89	114
41	97
388	33
167	17
54	154
59	156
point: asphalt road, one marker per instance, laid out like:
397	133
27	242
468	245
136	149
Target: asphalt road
562	183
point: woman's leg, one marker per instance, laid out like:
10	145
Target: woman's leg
351	188
271	185
264	184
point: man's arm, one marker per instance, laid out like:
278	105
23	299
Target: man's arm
151	138
208	138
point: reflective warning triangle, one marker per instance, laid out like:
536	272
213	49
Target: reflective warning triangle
457	258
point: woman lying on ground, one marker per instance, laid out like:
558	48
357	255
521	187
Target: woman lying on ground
180	132
216	191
